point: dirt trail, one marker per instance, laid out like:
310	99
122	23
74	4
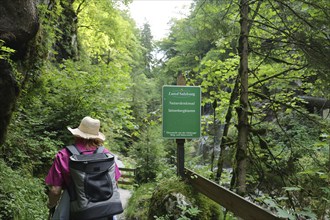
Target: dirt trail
124	196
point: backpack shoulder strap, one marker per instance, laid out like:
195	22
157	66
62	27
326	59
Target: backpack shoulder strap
99	150
73	150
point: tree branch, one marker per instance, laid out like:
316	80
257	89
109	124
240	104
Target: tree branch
277	75
307	116
277	60
254	15
80	7
295	13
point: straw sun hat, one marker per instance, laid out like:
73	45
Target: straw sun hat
88	129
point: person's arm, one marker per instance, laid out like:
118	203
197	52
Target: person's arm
54	195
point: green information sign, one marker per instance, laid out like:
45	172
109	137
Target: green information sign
181	112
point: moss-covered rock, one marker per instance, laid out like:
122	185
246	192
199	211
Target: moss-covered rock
138	204
174	199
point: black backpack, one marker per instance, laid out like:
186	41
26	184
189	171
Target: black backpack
93	190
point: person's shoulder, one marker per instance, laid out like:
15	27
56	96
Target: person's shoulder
64	152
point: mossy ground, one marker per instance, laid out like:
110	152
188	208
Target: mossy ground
147	202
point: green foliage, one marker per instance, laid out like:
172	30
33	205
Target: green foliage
139	202
49	32
77	82
145	104
29	134
291	166
186	214
27	153
147	43
285	213
148	154
107	34
5	52
23	198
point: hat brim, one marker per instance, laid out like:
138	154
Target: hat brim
78	133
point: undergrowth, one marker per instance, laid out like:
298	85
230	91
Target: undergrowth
22	197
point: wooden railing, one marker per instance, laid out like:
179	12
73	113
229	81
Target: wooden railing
127	176
228	199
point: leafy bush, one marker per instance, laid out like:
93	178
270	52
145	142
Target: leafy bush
149	155
290	160
22	197
139	202
34	147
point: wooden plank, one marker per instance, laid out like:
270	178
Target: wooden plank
127	169
228	199
128	176
126	182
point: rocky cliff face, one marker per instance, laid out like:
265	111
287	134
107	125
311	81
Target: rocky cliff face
18	26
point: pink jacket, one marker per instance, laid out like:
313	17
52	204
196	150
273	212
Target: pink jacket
59	173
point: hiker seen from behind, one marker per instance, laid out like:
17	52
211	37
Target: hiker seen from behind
82	180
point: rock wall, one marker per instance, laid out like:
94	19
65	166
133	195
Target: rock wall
18	26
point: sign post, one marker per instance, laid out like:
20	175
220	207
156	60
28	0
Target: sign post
181	117
180	157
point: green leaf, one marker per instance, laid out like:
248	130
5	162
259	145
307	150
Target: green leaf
292	188
284	214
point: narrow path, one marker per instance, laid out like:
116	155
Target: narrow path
124	196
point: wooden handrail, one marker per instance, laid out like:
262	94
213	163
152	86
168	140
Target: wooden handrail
228	199
127	169
127	179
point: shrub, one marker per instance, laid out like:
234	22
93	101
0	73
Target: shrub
22	197
149	154
139	202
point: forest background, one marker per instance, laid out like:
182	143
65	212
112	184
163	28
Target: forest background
263	67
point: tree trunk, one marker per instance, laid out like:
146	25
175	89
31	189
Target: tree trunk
18	25
242	110
224	139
